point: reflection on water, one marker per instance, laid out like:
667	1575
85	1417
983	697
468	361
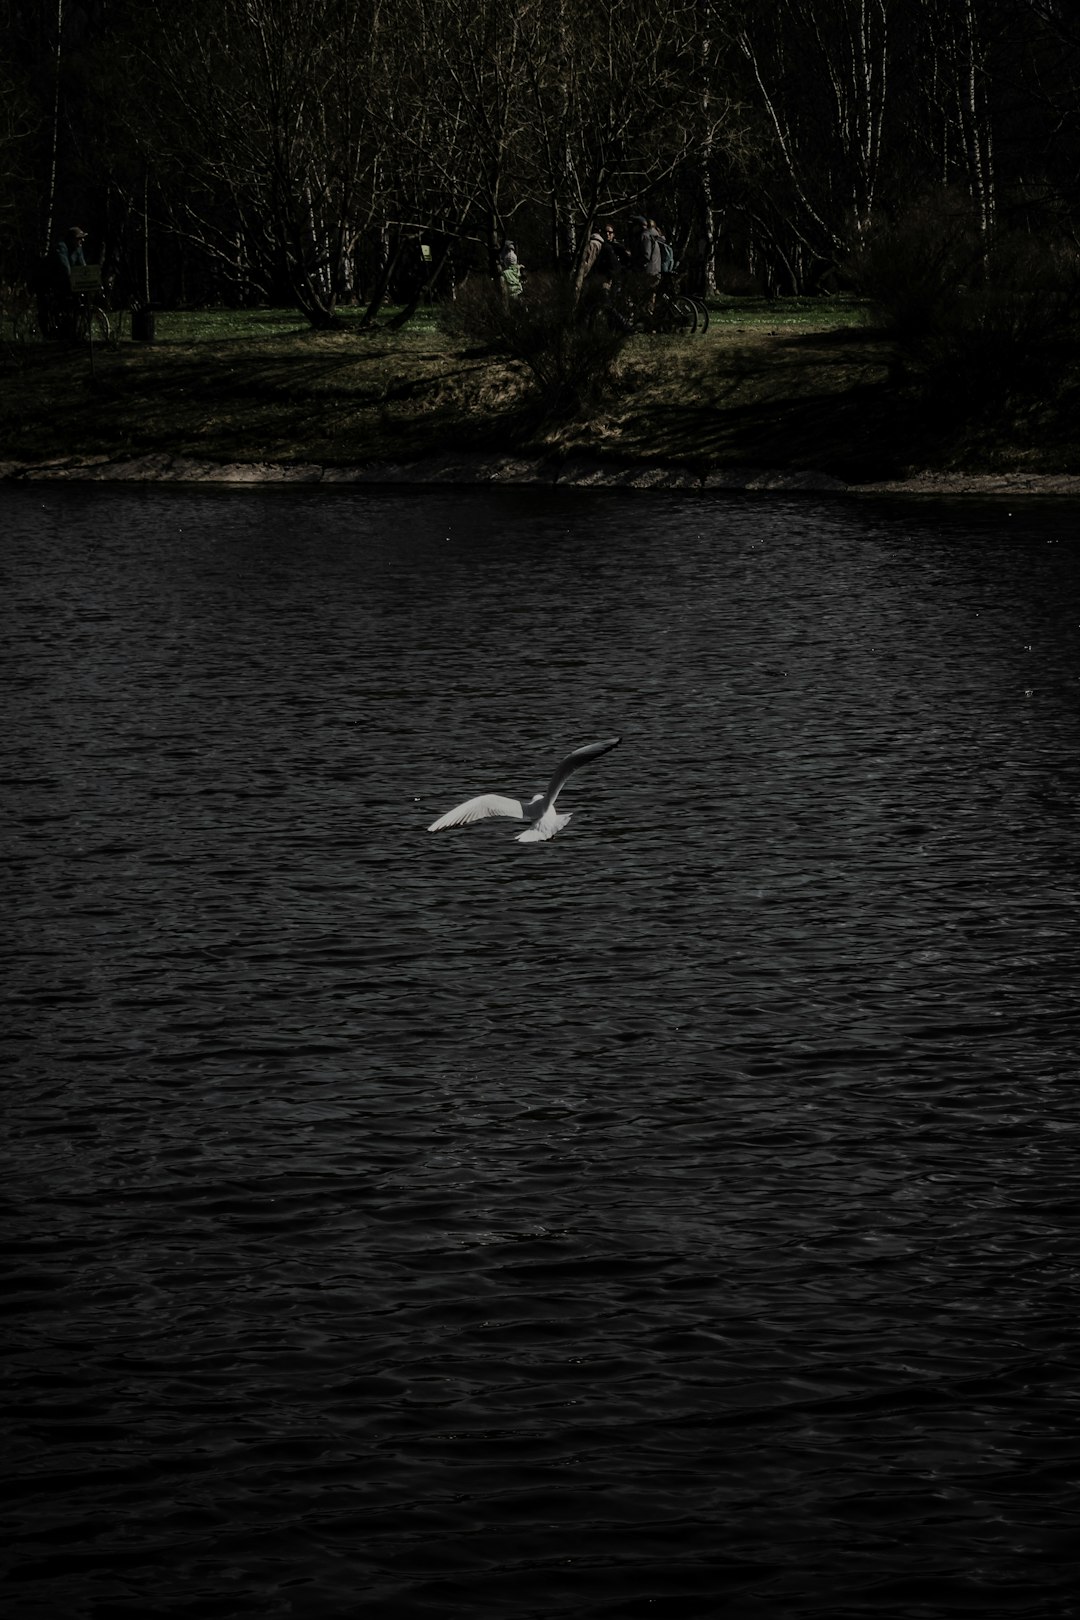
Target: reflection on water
676	1217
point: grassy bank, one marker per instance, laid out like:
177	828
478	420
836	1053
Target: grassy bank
803	384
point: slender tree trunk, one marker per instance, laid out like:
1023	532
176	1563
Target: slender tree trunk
706	279
50	210
146	235
959	92
564	235
975	121
390	258
422	288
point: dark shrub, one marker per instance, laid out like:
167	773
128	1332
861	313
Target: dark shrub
917	271
983	325
572	361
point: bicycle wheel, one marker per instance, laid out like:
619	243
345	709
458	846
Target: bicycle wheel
702	315
683	315
91	323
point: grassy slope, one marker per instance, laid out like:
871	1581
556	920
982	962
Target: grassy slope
800	383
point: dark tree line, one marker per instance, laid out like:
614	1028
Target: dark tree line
316	151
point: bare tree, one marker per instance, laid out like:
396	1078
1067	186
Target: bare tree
301	147
615	109
958	89
269	111
16	132
821	77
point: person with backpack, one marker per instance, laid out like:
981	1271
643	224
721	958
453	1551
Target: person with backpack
667	252
644	247
645	260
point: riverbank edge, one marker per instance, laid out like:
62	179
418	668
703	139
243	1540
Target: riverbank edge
563	472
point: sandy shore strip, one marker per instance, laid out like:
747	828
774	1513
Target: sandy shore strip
577	472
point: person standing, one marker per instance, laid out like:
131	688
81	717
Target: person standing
69	250
510	268
667	252
645	262
645	257
56	307
603	263
611	260
592	250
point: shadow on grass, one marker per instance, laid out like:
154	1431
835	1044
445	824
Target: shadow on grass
862	433
820	400
243	402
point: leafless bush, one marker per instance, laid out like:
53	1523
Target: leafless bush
917	271
983	323
572	361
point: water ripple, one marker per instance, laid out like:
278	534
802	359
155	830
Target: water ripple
679	1217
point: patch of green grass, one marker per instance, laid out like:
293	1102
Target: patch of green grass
787	314
234	325
237	325
225	325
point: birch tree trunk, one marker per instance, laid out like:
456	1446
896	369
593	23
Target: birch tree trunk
827	123
50	206
959	90
563	232
706	42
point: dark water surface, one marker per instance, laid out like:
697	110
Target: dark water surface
676	1218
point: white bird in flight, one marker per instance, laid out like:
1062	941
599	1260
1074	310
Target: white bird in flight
539	810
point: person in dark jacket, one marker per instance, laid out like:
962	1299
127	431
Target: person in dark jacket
69	250
53	283
611	259
645	261
603	263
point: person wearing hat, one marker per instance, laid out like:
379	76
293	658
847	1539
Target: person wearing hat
56	307
69	249
510	268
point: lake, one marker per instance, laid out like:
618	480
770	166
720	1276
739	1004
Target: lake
677	1217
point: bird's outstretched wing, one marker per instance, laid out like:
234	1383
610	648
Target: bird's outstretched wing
573	762
485	804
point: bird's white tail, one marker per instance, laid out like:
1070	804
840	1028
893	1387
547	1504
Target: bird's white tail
549	824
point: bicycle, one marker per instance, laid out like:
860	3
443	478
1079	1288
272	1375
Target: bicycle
671	284
702	312
673	312
634	305
90	324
